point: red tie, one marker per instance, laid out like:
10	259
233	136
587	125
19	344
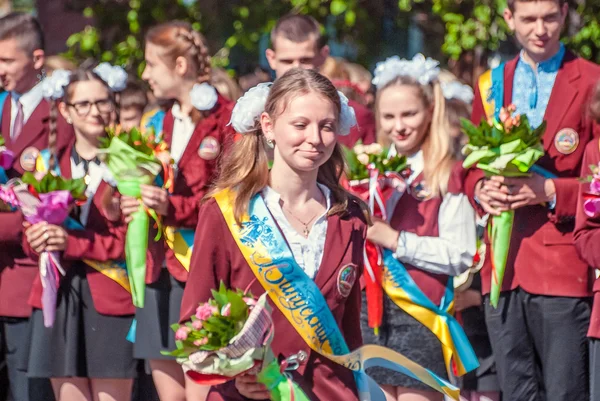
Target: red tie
18	126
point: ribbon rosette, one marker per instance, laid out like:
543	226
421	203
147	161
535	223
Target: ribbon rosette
230	335
507	146
49	200
134	159
374	177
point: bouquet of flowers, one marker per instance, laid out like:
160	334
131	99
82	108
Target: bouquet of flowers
231	335
47	200
591	204
373	176
6	156
509	147
135	158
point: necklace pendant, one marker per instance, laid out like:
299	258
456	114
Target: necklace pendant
306	232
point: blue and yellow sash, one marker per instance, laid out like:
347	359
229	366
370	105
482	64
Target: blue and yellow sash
180	240
404	292
300	300
116	271
491	89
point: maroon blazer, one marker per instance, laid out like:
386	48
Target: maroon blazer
196	171
364	131
587	236
541	240
421	218
17	271
217	258
101	240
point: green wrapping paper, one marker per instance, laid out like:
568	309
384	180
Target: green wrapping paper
131	169
282	388
500	233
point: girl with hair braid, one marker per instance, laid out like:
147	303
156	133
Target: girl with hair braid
195	128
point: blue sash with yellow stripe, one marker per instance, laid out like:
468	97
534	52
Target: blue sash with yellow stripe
406	294
300	300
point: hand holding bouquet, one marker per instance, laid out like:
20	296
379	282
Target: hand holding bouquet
374	176
135	158
229	336
48	200
507	147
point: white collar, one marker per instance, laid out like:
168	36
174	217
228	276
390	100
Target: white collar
29	100
178	114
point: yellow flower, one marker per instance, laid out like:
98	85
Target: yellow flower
358	149
363	158
373	149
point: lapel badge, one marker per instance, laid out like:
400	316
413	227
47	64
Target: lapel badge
28	158
420	191
209	148
346	279
566	141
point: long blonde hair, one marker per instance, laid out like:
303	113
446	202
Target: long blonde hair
438	147
245	167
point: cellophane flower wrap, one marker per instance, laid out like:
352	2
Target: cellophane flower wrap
506	146
230	335
134	158
373	176
47	200
591	198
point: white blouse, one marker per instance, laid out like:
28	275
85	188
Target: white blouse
183	129
453	250
308	252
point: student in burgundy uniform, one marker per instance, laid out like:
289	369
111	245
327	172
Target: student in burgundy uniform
431	225
296	41
538	331
25	127
587	241
195	128
324	227
85	352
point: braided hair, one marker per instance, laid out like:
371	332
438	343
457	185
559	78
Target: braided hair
179	39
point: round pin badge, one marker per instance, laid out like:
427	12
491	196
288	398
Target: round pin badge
566	141
209	148
420	191
346	279
28	158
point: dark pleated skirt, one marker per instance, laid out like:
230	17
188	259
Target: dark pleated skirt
161	309
82	342
404	334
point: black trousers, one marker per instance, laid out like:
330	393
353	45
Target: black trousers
540	346
594	369
15	335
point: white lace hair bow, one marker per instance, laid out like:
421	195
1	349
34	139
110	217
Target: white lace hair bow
203	96
249	107
457	90
53	87
421	69
114	76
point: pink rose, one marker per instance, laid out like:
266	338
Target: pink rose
201	342
182	333
226	310
197	324
205	311
250	301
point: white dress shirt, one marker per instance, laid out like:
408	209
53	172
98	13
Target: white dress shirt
308	252
29	100
453	250
97	173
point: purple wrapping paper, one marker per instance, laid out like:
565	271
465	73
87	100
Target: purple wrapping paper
6	158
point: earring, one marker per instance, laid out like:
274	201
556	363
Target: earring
42	75
271	143
69	121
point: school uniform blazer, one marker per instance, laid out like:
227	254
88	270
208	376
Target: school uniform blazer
542	258
197	169
217	258
17	271
587	236
364	130
101	240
